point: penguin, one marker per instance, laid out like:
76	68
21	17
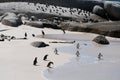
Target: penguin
43	33
49	64
63	31
100	56
35	61
45	57
77	53
33	35
25	35
78	46
56	51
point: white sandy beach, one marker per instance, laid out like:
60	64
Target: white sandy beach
16	56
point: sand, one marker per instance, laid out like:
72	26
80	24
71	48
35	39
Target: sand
16	56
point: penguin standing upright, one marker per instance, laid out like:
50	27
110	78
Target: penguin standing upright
35	61
25	35
63	31
56	51
100	56
43	33
45	57
33	35
77	53
78	46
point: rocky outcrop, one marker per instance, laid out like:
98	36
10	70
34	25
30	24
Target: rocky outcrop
11	19
37	24
112	9
99	10
22	16
106	28
101	40
51	25
39	44
111	28
40	24
82	4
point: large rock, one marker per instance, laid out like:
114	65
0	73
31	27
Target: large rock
99	11
112	9
51	25
37	24
39	44
107	28
40	24
22	16
11	19
101	40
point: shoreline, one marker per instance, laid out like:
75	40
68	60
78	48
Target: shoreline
88	60
80	37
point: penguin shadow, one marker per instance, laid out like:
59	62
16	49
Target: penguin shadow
36	65
42	36
77	59
57	54
50	70
46	60
100	59
85	44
